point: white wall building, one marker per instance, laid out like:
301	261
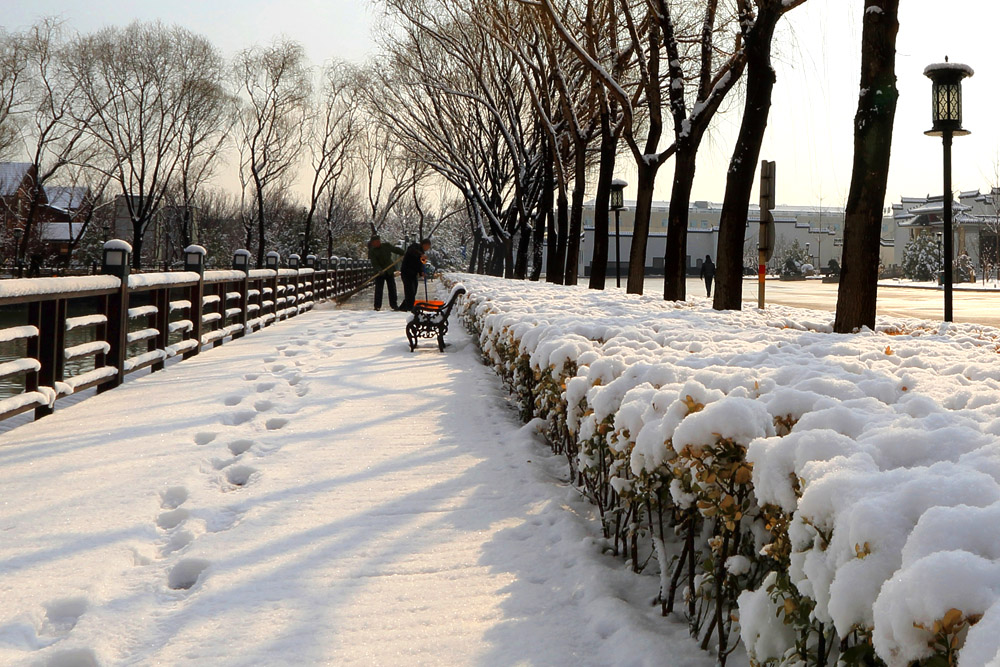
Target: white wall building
819	229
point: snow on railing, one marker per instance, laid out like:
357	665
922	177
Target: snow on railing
207	310
142	311
141	335
144	280
223	276
19	367
17	333
85	321
87	349
140	360
26	287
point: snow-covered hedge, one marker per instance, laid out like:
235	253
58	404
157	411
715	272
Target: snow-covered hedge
830	499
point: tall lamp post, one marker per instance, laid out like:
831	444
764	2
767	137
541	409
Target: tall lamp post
946	111
617	204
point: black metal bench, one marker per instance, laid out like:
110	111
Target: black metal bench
429	320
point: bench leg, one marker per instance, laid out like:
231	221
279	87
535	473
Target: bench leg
411	338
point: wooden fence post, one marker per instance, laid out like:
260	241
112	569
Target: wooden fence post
116	260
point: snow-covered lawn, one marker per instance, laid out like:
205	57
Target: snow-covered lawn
311	494
978	286
849	486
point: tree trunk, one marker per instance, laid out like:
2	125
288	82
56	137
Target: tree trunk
606	173
576	215
138	229
538	245
640	227
261	250
523	243
743	165
872	148
675	258
474	254
562	232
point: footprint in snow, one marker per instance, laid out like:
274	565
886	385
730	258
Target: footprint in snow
204	437
223	519
276	423
73	657
232	400
186	573
171	519
294	378
263	405
250	377
240	417
172	498
277	368
265	386
237	447
292	353
240	476
268	360
177	541
219	464
62	615
279	348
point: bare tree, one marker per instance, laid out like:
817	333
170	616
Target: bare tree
274	83
13	64
206	119
55	127
135	82
333	130
658	31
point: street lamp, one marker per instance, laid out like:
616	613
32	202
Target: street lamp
617	204
946	112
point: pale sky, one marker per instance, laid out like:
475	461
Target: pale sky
816	55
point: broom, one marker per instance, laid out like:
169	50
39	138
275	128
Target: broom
343	298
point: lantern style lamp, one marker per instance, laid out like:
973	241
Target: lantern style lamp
194	259
293	261
617	204
241	260
115	259
946	114
310	261
271	260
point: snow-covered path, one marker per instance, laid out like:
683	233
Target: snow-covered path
312	494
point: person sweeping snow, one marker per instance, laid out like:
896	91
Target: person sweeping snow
411	270
380	255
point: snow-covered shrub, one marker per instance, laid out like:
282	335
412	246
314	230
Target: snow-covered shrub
832	493
922	258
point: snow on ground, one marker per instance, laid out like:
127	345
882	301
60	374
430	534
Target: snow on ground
313	493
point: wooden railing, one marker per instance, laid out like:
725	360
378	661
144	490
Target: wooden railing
144	320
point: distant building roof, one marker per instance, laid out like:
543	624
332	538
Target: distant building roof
66	198
11	176
61	232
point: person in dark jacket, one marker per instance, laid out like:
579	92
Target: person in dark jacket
411	270
708	273
380	255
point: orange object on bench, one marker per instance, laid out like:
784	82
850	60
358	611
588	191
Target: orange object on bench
430	305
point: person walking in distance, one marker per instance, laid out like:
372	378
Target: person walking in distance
708	273
380	255
411	270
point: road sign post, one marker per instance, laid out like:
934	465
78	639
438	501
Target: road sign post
765	237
